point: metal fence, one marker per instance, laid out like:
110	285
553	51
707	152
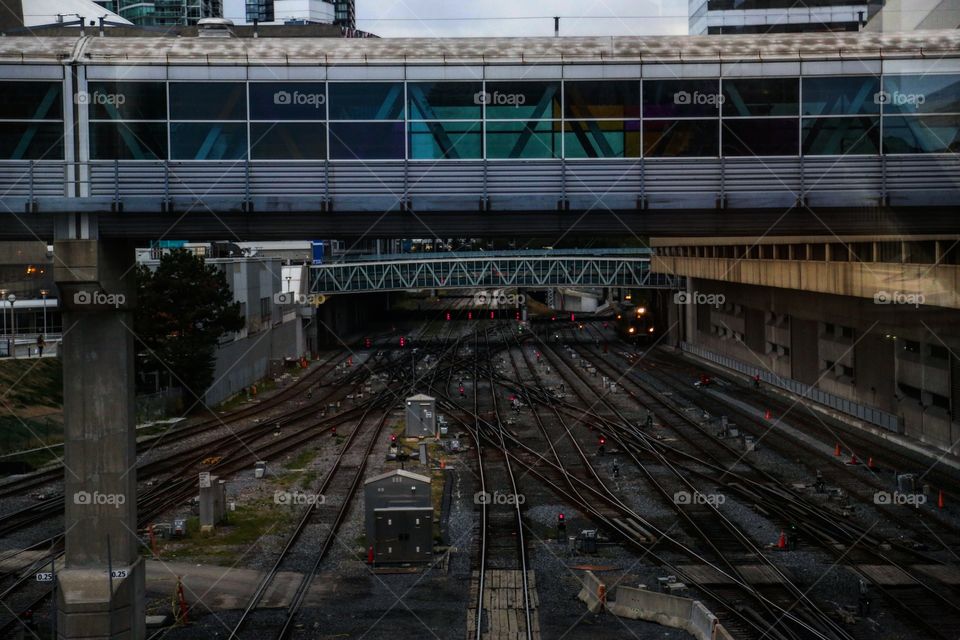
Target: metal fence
872	415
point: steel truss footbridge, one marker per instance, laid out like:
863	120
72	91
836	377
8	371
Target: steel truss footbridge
626	268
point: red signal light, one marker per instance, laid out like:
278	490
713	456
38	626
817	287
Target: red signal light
573	317
393	438
517	315
448	316
603	441
367	342
560	517
491	315
469	315
403	342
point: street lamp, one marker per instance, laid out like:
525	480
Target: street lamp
43	294
3	295
13	318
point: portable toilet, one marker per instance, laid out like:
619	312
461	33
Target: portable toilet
421	416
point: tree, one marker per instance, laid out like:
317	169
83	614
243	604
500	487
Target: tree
183	308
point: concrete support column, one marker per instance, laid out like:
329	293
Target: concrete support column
100	591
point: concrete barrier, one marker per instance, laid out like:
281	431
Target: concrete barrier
670	611
593	592
702	623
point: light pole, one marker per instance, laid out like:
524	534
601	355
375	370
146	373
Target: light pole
3	296
43	294
13	318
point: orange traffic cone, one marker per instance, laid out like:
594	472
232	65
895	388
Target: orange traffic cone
870	463
940	499
836	450
767	415
782	542
853	459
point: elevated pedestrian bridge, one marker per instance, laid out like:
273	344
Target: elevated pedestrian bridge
628	268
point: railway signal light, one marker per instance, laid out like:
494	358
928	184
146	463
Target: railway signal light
573	317
403	342
553	318
367	343
602	448
448	316
517	316
469	315
393	439
492	314
561	525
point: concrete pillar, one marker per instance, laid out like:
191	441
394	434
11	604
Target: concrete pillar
97	284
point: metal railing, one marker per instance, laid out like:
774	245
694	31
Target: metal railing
863	412
476	185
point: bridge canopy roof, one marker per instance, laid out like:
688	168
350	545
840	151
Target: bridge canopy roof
571	50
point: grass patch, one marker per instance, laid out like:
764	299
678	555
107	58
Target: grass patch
32	383
302	460
244	527
20	433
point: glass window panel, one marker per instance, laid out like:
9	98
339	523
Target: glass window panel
208	141
31	141
921	134
681	98
840	96
127	100
445	100
128	140
523	100
761	97
31	101
208	101
523	140
841	136
604	139
366	101
288	101
602	99
931	93
449	140
288	141
367	140
761	137
681	138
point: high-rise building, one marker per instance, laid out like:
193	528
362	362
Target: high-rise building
779	16
164	13
346	13
908	15
259	10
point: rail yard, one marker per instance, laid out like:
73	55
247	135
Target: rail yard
574	478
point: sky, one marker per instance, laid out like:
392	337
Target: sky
445	18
